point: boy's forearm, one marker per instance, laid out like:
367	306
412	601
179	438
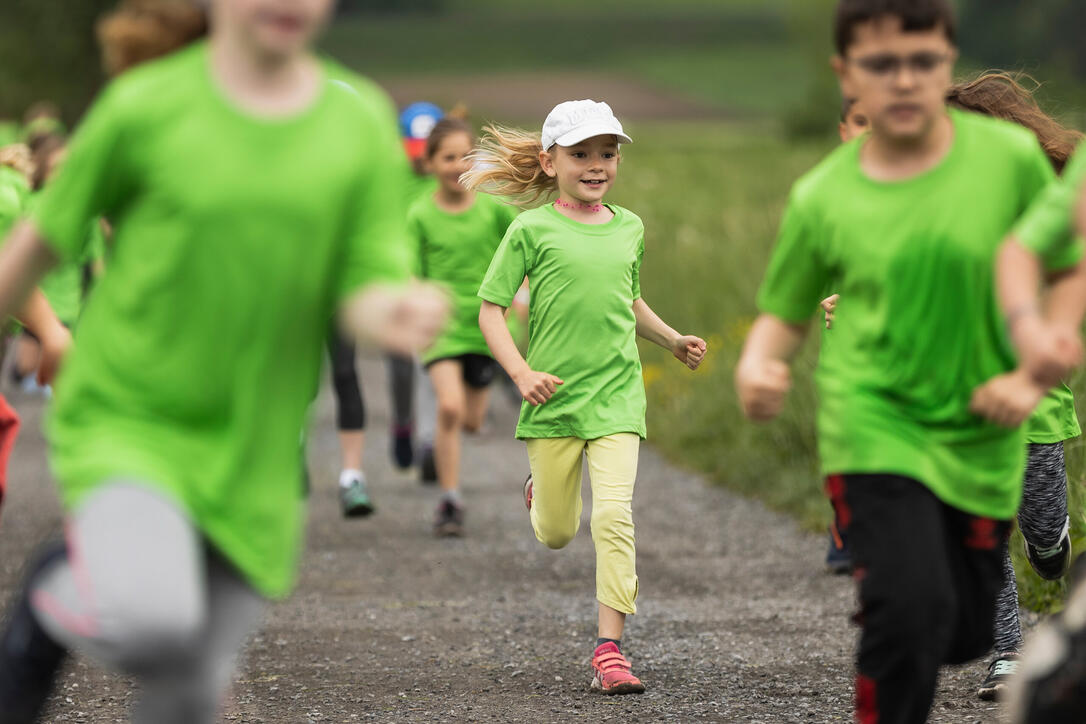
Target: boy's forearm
496	333
773	338
1018	282
651	327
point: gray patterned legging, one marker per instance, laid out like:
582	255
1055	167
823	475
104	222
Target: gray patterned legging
1040	517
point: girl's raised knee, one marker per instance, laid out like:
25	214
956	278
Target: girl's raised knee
555	537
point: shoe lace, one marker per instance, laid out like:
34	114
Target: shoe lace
1045	553
1004	667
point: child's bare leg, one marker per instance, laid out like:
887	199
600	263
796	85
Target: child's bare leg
448	379
477	401
351	445
611	623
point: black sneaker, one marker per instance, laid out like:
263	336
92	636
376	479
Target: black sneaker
1050	686
449	519
1000	672
427	466
403	452
1051	563
29	658
838	557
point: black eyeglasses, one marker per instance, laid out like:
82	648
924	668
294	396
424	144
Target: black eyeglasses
887	65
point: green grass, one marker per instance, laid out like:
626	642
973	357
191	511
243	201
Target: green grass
735	56
711	196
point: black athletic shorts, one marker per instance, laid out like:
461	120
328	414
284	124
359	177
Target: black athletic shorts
479	369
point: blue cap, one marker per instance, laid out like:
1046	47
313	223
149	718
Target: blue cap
418	119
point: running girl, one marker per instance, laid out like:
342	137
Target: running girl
457	232
582	387
1042	514
254	189
1050	684
925	489
416	418
355	498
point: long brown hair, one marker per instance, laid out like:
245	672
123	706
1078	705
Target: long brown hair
141	30
506	163
1004	95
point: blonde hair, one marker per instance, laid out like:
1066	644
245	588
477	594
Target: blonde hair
506	163
17	156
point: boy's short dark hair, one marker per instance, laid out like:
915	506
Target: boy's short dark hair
916	15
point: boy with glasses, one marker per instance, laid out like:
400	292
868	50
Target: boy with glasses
904	223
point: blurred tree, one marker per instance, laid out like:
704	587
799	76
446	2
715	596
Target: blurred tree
1025	33
810	27
48	51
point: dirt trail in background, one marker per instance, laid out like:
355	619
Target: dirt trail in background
737	620
527	96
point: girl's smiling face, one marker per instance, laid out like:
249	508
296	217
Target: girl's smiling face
585	171
450	161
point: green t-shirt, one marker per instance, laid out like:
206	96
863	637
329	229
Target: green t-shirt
198	354
1048	227
455	250
1055	419
917	327
584	280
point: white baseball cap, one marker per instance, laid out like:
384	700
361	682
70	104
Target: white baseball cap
571	122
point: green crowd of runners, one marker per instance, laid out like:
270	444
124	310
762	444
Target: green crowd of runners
234	203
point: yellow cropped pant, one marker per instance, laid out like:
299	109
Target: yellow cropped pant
556	505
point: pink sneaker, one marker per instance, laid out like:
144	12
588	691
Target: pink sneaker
611	672
528	493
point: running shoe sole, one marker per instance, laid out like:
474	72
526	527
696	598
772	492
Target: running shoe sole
358	510
997	682
617	688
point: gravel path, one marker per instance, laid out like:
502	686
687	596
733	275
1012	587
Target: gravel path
737	622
